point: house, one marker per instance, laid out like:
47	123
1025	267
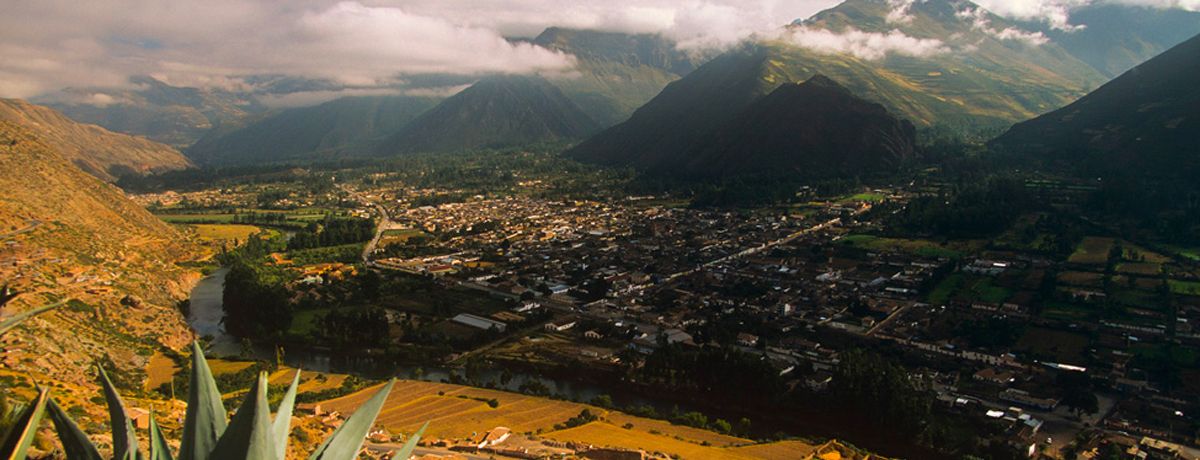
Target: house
592	334
479	322
678	336
560	325
747	340
992	375
494	436
139	417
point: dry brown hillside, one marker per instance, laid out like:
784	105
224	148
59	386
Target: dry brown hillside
96	150
65	234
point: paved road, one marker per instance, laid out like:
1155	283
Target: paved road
384	224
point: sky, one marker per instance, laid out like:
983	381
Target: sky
367	45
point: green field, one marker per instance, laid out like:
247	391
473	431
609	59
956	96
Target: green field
923	248
862	197
304	322
1184	287
968	289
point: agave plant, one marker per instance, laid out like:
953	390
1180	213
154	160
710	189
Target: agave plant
251	434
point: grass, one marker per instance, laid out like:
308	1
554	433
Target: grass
161	369
1139	268
924	248
968	289
1092	250
1184	287
225	232
862	197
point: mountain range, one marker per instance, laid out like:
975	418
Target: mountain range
344	126
494	112
99	152
812	129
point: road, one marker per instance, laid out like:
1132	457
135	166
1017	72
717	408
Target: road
768	245
384	224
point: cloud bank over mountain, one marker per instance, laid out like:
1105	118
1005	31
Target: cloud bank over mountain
376	44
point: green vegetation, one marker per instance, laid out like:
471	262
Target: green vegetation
1184	287
332	232
924	248
250	434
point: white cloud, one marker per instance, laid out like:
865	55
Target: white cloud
900	11
864	45
980	21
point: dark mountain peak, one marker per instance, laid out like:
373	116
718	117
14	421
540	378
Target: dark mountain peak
497	111
817	128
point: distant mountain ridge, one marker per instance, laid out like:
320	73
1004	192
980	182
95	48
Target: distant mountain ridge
173	115
812	129
341	127
495	112
100	152
1114	38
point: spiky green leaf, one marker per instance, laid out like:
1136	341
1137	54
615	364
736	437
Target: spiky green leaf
159	450
347	439
205	420
22	434
283	418
124	437
411	444
75	443
19	318
249	435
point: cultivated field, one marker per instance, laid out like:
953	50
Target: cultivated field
224	232
1092	250
456	412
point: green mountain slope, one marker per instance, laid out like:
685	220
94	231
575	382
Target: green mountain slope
100	152
346	126
495	112
176	116
985	86
1145	122
616	72
1115	38
811	129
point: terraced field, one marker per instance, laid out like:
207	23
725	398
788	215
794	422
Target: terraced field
457	412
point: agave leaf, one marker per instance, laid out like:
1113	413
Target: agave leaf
23	433
159	450
75	443
19	318
249	435
205	420
411	444
283	418
347	439
125	442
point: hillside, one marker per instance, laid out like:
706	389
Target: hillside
1146	121
345	126
815	128
965	91
100	152
616	73
66	234
176	116
495	112
1115	38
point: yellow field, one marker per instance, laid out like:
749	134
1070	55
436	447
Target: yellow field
220	366
309	381
224	232
159	370
412	403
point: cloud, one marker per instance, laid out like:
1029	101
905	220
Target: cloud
864	45
1057	13
980	21
900	11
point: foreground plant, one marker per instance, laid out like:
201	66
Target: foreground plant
251	434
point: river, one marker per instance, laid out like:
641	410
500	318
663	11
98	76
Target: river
206	315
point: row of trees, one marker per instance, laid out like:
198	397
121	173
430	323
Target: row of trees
332	231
